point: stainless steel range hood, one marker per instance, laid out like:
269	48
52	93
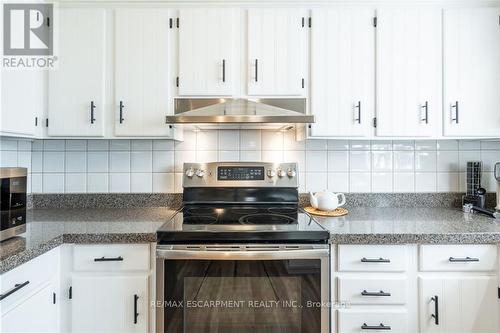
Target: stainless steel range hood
240	113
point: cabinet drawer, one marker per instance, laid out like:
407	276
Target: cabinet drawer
372	258
367	321
28	277
113	257
463	258
373	291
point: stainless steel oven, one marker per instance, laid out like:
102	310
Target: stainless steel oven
243	288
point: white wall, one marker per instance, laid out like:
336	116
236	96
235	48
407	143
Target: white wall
79	166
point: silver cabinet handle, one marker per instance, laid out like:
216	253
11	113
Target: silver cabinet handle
466	259
92	109
121	112
223	70
426	108
375	293
455	106
376	260
256	70
376	327
435	315
358	107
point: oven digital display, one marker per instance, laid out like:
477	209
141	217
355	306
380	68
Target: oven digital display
240	173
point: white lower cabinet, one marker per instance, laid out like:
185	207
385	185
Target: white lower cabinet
109	303
350	321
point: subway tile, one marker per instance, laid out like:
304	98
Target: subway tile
141	182
360	144
447	182
53	182
93	145
250	156
447	161
404	182
205	156
76	161
338	161
403	145
141	161
488	181
24	160
290	142
36	161
381	145
302	182
466	156
97	161
183	156
189	142
97	183
119	183
272	156
360	161
425	182
250	140
36	183
163	161
119	161
24	145
316	181
425	145
382	182
490	144
8	144
37	145
425	161
381	161
76	145
53	145
75	183
272	140
316	144
164	182
298	156
206	140
53	161
229	156
142	144
404	161
229	140
360	182
316	161
338	145
178	182
163	144
8	158
119	144
338	181
447	145
469	144
489	158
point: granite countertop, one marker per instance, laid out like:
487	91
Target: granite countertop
48	228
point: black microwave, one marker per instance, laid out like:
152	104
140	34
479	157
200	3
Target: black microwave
12	202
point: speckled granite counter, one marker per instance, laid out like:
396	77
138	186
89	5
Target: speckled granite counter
411	225
48	228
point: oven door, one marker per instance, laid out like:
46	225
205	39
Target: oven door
242	288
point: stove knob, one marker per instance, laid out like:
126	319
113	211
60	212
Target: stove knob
190	173
200	173
271	173
281	173
291	173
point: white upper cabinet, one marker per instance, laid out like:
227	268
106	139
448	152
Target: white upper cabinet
408	71
276	51
342	72
77	87
206	47
472	72
22	102
142	85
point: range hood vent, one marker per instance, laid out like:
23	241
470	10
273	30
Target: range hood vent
240	113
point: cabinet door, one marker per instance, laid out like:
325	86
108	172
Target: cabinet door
276	51
22	101
206	51
76	87
408	71
108	303
471	72
464	304
342	71
38	313
142	88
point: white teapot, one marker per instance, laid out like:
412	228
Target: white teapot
326	200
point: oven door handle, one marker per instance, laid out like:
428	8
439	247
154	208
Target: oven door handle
241	255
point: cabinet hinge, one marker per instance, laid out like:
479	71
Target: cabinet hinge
375	122
177	81
53	298
310	22
303	83
36	121
47	122
70	292
375	21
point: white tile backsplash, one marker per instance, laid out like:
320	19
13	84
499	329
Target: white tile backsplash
101	166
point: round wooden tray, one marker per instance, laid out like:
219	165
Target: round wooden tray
334	213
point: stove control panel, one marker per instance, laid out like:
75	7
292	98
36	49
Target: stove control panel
240	174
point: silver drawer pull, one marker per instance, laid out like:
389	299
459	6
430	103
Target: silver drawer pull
466	259
374	293
120	258
382	260
378	327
